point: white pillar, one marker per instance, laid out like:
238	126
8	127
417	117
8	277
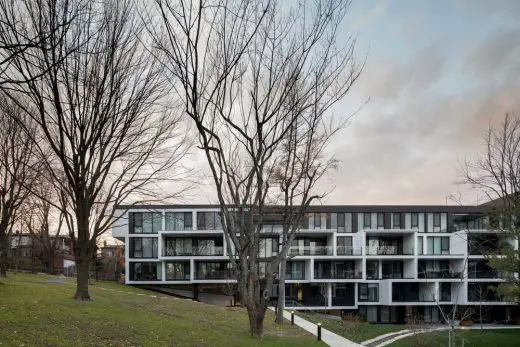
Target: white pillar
329	294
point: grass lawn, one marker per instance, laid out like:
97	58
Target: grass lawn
354	331
34	312
472	338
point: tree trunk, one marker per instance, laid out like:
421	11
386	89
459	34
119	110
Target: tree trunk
281	293
83	255
3	253
256	315
82	268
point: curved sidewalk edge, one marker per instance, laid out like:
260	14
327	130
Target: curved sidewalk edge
422	331
331	339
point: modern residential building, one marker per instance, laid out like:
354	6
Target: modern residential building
389	263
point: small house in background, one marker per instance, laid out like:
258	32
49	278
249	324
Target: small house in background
29	252
111	261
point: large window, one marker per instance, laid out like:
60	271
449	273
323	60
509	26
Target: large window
367	221
177	271
341	223
184	246
344	245
213	271
268	247
396	220
368	292
380	220
178	221
295	270
415	220
145	222
208	221
143	247
145	271
438	244
317	221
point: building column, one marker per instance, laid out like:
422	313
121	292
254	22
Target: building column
329	294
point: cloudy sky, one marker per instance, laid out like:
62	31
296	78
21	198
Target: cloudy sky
437	74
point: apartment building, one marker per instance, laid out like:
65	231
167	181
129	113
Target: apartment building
387	262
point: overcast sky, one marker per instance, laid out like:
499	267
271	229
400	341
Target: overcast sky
437	74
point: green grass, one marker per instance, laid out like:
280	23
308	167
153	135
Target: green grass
354	331
472	338
36	313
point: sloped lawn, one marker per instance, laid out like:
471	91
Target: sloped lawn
38	310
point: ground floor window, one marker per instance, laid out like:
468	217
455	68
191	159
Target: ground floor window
145	271
177	271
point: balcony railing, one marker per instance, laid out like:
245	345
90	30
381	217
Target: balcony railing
214	275
391	275
307	250
294	276
193	251
412	298
348	250
338	275
484	274
439	274
388	250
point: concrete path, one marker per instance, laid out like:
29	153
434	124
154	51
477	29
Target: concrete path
327	336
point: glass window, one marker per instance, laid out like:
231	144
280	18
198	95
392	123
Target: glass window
178	220
176	271
368	292
143	247
208	221
341	222
420	244
146	222
344	245
380	220
145	271
437	220
268	247
397	220
445	245
317	221
415	220
367	221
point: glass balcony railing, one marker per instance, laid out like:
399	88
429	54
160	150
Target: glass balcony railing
193	251
484	274
348	250
439	274
338	275
412	298
307	250
388	250
214	275
294	276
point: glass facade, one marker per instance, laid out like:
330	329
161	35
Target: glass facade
368	292
177	271
178	221
208	221
143	247
145	271
145	222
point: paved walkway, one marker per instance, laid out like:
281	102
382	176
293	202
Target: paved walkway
327	336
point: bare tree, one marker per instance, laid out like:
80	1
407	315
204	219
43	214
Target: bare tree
237	66
45	222
17	170
496	173
100	104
